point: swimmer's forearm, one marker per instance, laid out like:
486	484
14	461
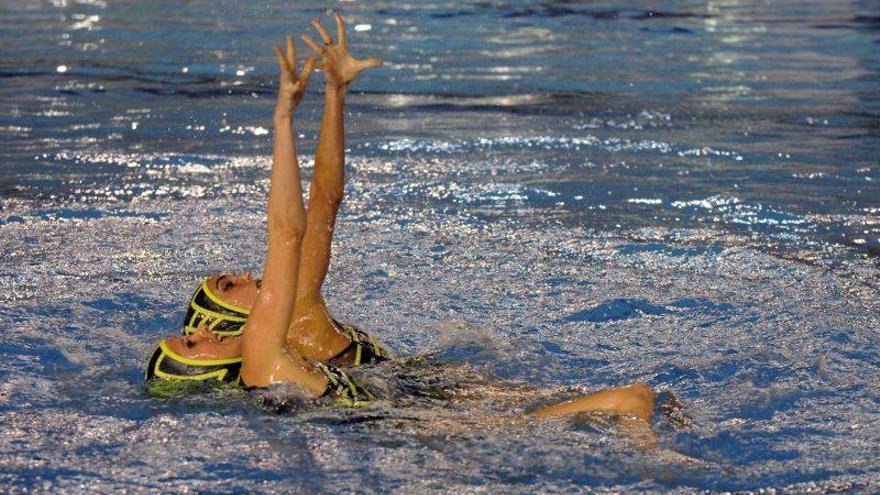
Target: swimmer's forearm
286	214
330	157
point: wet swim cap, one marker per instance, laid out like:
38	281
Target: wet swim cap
166	364
221	317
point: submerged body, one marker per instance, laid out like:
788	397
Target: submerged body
287	330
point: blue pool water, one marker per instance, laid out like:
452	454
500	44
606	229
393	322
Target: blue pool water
567	194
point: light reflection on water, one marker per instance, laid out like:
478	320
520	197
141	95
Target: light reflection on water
570	195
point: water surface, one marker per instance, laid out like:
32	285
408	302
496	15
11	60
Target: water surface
571	195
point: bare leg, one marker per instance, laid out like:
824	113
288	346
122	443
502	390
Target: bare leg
634	405
636	400
312	331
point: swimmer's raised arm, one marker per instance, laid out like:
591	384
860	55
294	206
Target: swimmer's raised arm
313	330
265	359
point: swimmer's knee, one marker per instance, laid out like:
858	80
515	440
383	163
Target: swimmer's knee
328	198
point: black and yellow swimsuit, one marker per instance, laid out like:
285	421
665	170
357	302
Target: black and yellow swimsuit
363	349
341	391
223	318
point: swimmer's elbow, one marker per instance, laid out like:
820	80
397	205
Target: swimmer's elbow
287	227
290	237
329	196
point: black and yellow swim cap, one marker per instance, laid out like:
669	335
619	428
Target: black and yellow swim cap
222	318
166	364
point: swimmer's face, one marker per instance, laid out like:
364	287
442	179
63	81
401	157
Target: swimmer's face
205	344
239	290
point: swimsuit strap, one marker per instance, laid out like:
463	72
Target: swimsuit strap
363	346
341	388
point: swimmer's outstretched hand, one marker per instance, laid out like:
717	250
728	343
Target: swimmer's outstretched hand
339	66
293	85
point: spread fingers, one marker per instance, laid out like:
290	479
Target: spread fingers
370	62
322	31
282	62
340	31
291	52
307	69
312	44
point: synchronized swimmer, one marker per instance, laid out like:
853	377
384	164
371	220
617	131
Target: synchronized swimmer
278	330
